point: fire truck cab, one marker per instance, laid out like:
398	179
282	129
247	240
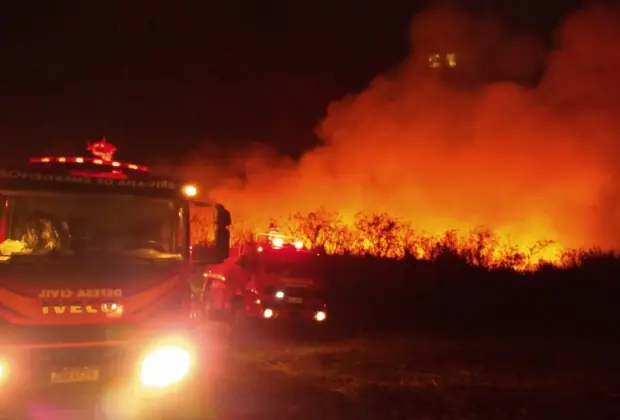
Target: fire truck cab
95	296
274	279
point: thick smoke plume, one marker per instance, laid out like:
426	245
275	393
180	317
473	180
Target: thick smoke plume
464	146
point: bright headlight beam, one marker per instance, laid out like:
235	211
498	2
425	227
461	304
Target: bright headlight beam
190	191
320	316
165	366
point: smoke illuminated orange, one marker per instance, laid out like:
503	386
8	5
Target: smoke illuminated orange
444	151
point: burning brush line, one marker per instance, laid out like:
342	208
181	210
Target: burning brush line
382	236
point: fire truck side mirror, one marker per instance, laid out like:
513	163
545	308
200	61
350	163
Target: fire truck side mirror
212	223
223	221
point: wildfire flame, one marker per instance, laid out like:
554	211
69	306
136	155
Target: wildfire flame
430	152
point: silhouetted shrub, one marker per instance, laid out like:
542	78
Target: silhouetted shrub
383	236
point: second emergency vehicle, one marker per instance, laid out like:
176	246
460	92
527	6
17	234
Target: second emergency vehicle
274	279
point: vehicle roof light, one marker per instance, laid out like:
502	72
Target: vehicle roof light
275	240
103	153
84	160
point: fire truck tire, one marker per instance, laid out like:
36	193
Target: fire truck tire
237	313
210	313
207	307
237	320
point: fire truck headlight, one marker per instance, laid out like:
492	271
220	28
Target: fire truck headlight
165	366
320	316
279	294
268	313
277	242
3	371
190	191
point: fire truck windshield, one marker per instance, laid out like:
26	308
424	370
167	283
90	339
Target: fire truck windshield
291	264
74	224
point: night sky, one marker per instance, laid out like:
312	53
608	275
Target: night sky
160	78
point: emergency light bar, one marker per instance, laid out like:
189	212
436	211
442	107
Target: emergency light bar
278	241
93	161
298	246
104	154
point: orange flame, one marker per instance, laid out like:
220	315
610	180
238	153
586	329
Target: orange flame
445	150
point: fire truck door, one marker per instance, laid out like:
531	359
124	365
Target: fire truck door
248	272
215	222
253	283
243	276
4	218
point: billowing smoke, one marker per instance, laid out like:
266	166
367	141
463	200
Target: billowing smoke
455	142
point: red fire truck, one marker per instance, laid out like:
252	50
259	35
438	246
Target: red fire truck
95	300
274	279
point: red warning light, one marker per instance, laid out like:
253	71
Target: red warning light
274	240
102	149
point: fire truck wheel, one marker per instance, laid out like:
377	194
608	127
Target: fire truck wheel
237	317
207	306
238	323
208	312
237	314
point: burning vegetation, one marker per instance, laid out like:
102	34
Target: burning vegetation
382	236
507	159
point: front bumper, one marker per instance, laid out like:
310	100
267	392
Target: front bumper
27	388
